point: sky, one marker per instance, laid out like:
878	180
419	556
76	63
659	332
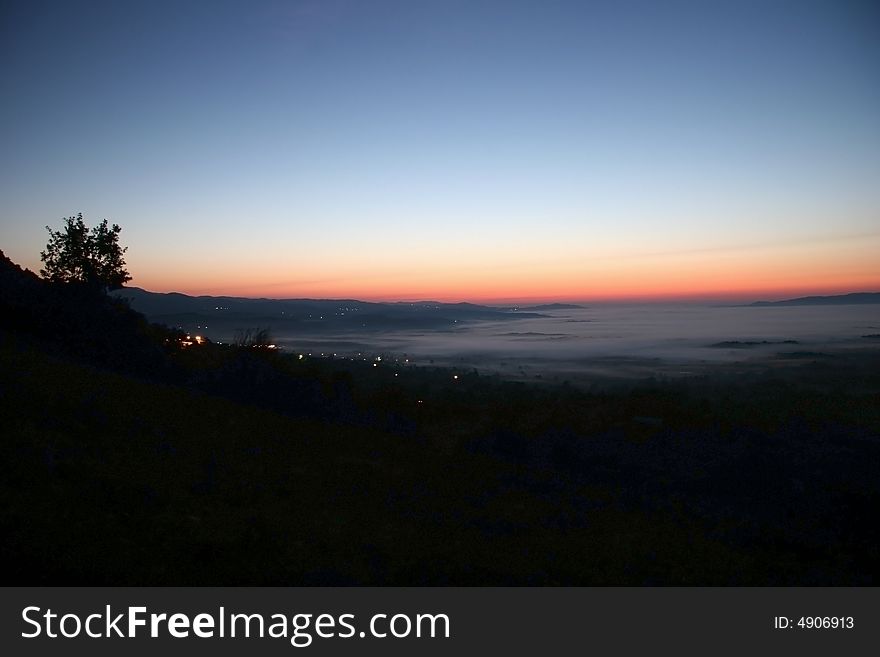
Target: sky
452	149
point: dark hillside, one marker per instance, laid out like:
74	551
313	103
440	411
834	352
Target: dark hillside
78	321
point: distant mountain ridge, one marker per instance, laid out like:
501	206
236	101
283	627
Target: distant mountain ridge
552	306
151	302
835	300
224	314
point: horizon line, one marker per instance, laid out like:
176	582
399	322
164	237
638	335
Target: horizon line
730	297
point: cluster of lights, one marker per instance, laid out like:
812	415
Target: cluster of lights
189	340
375	361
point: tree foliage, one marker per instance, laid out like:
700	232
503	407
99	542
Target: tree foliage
255	338
78	254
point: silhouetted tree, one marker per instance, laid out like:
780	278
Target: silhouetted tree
255	338
78	254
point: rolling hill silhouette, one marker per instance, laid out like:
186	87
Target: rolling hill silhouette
835	300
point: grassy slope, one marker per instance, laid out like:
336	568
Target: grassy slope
120	481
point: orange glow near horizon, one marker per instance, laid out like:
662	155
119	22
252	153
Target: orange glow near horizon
757	273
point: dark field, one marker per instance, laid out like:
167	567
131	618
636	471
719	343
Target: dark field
114	479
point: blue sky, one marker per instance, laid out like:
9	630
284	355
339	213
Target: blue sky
391	149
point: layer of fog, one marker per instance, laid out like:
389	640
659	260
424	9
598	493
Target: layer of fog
637	339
